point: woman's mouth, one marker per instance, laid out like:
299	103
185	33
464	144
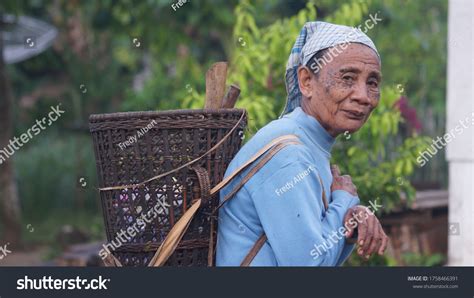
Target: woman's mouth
354	115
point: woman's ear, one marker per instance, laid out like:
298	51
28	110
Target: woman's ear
305	81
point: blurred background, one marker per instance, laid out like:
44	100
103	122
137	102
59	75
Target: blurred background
123	55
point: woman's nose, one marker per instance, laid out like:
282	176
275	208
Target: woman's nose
361	94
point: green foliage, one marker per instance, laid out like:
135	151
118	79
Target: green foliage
257	63
377	159
414	259
413	47
414	50
355	260
349	13
50	168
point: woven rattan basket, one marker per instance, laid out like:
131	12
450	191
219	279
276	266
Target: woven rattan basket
133	148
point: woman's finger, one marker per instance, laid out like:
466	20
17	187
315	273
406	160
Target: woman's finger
362	226
350	224
347	180
376	241
369	233
383	246
335	171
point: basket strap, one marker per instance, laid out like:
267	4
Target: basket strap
255	169
111	261
205	187
210	254
171	241
204	182
254	251
257	155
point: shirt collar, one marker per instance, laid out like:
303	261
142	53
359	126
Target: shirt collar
315	131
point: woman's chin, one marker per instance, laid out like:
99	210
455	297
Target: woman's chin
352	128
353	125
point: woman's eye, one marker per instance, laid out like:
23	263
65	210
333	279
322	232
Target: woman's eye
348	78
373	83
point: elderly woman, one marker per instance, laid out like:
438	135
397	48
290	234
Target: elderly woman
279	215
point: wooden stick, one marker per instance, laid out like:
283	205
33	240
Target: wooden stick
215	85
231	97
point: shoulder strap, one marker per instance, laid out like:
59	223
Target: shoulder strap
176	233
274	150
254	251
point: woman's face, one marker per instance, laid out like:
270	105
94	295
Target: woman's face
345	91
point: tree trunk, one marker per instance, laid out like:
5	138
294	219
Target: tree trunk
10	214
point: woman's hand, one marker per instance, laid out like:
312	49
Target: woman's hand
371	237
343	182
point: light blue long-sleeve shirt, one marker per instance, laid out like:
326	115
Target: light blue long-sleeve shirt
284	200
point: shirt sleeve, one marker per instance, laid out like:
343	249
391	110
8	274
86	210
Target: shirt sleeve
347	248
290	208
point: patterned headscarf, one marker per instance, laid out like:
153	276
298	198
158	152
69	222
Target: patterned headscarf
316	36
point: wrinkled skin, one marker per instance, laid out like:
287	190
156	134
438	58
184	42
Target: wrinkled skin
341	96
345	91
